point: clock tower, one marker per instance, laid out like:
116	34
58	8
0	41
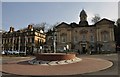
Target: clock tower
83	18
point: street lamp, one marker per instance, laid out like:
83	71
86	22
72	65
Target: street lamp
54	40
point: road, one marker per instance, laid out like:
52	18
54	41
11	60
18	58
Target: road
110	72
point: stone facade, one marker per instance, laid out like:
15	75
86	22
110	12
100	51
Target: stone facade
84	37
27	40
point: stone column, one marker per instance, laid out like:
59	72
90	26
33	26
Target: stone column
19	44
100	36
25	44
13	43
110	39
97	35
113	35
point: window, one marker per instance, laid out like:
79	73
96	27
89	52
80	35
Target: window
5	41
28	39
92	38
105	37
83	37
63	37
2	41
32	39
75	39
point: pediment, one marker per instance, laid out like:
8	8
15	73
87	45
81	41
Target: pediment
63	25
104	21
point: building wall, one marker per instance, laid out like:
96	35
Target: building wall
28	40
75	37
109	44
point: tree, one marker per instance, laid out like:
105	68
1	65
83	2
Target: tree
117	34
40	26
118	22
96	18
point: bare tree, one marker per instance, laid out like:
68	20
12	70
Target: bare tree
96	18
40	26
118	22
56	24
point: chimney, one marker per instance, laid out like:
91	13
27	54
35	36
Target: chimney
30	26
11	29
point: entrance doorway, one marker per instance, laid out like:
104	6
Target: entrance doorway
83	50
83	46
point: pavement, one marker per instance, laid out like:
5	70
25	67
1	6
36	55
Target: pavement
110	72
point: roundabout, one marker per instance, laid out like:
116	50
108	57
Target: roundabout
54	59
84	65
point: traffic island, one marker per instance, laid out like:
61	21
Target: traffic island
86	65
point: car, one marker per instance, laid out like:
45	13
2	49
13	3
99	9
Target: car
9	52
3	52
15	52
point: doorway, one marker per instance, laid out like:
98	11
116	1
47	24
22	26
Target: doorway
83	46
83	50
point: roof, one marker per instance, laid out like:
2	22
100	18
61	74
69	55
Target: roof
104	21
74	25
63	25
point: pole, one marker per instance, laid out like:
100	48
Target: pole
54	42
19	44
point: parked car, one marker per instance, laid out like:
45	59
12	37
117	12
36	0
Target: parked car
15	52
9	52
3	52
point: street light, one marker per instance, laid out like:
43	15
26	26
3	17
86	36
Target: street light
54	40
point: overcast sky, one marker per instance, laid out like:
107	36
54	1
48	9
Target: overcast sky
20	14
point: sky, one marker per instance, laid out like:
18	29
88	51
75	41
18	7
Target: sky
20	14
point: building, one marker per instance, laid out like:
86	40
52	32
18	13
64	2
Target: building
28	39
84	37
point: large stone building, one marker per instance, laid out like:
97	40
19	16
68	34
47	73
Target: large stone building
28	40
85	37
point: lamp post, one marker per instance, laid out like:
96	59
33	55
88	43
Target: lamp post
54	40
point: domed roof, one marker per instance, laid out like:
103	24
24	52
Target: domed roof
83	13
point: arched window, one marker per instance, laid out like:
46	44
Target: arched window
63	37
105	36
